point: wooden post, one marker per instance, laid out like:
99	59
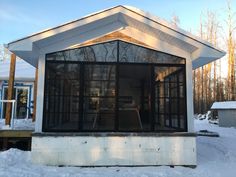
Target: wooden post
10	88
35	93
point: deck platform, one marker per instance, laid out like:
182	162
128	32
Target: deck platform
20	139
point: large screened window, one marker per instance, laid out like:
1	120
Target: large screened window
62	90
105	52
99	97
170	106
139	54
115	51
114	86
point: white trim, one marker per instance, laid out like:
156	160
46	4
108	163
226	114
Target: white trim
92	26
128	10
40	94
5	101
189	95
154	43
28	99
12	111
79	38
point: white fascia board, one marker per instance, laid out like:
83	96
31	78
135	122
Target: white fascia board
161	27
139	15
50	37
154	42
201	61
172	31
31	51
78	30
205	55
168	27
64	27
23	45
30	57
81	38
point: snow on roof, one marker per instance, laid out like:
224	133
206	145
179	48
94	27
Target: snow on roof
224	105
24	71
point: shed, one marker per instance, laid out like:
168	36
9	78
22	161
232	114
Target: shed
115	88
226	113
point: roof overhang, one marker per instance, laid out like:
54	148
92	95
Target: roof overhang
130	21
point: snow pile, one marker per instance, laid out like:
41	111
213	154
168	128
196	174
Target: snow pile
19	124
217	155
216	158
14	157
208	116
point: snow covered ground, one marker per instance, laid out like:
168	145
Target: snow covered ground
216	158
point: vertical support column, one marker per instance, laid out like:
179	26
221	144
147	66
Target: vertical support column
40	94
117	88
10	89
189	94
152	98
81	97
35	93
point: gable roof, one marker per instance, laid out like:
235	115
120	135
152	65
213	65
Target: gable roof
130	21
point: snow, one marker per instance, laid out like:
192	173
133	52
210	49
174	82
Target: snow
24	71
216	158
208	116
224	105
19	124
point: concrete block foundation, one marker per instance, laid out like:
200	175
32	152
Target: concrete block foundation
114	149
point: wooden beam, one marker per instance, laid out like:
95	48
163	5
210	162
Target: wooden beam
35	93
110	37
16	133
10	89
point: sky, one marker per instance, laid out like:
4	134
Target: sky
19	18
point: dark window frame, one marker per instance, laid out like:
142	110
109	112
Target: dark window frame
117	64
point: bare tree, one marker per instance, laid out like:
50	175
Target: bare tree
205	83
4	54
175	20
231	46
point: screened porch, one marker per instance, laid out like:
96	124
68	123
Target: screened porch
114	86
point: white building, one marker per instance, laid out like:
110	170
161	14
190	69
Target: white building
115	88
226	111
23	88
